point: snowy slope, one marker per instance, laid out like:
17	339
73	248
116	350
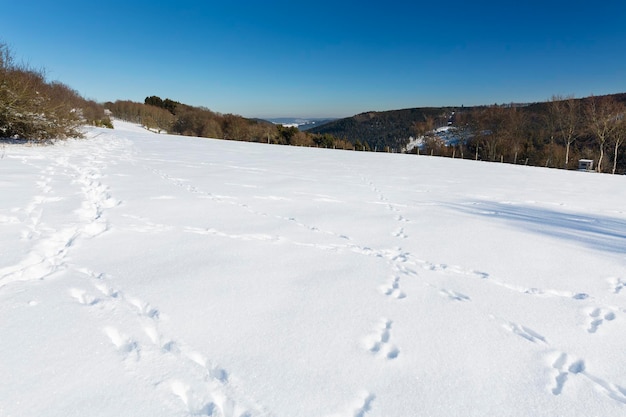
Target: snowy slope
155	275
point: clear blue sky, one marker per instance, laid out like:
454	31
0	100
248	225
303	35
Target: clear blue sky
323	58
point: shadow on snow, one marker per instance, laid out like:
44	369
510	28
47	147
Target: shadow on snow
597	232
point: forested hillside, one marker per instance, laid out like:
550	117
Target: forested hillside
177	118
555	133
385	130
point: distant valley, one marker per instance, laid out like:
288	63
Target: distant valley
300	122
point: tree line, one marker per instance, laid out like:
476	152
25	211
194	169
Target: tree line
32	108
166	115
379	131
556	133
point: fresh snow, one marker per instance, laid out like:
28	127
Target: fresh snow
155	275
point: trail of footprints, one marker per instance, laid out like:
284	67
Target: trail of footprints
246	207
392	288
564	366
51	245
214	400
379	343
208	392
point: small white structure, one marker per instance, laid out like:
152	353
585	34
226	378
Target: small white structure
585	164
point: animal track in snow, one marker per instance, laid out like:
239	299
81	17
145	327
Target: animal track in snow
525	332
201	403
617	284
358	408
392	289
143	309
454	296
51	245
106	290
564	366
195	405
46	257
401	234
82	297
365	406
245	237
597	317
451	269
379	343
122	342
203	388
392	208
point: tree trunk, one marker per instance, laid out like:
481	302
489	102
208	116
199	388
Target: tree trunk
601	157
617	143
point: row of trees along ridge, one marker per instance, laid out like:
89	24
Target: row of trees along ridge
176	118
556	133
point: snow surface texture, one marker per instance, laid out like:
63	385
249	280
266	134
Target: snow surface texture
155	275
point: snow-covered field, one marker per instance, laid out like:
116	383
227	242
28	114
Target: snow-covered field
154	275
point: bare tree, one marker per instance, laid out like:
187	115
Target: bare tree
489	131
513	127
602	117
565	118
619	136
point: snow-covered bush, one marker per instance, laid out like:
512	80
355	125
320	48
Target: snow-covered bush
32	108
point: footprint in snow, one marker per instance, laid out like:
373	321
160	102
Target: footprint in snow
454	296
379	343
401	234
565	366
525	332
195	405
82	297
359	407
122	343
597	317
392	289
617	284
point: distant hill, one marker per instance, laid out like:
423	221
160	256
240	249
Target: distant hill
391	128
301	123
394	129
